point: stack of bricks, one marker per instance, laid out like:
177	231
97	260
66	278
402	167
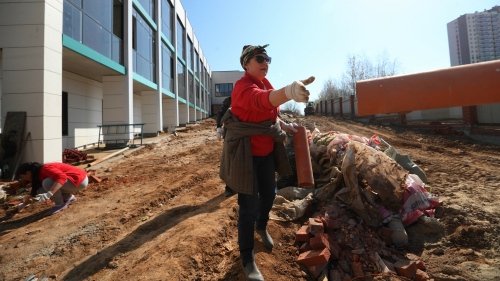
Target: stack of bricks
73	156
334	246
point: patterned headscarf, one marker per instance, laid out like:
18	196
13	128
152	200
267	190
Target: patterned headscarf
249	51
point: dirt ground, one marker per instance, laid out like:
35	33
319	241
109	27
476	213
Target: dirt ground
163	216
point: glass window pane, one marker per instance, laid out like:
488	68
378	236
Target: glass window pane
148	6
217	88
72	21
77	2
101	11
96	37
188	51
118	18
181	80
180	39
166	16
117	52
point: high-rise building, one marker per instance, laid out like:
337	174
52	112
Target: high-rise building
73	65
475	37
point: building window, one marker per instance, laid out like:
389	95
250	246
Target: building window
166	19
197	92
201	74
197	64
98	24
223	90
149	7
167	68
180	39
191	89
65	129
189	51
181	80
143	45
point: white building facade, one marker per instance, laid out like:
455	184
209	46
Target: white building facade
223	84
475	37
73	65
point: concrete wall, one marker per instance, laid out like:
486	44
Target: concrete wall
168	114
137	111
452	113
488	113
84	110
346	106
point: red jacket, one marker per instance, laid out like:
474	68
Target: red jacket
250	103
61	172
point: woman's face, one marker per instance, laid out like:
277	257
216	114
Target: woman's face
25	178
256	69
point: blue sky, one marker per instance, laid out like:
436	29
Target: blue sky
313	38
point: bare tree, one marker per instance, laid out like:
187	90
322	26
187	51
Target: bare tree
291	106
328	91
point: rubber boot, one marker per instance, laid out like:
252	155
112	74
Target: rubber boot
266	238
252	272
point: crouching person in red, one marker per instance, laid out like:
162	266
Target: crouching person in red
53	181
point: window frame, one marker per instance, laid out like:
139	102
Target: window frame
219	91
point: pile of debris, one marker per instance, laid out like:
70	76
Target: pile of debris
333	243
71	156
364	197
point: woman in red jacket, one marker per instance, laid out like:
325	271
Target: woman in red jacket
254	100
56	181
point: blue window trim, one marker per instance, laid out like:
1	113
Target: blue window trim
182	100
197	108
208	93
169	45
190	71
168	93
191	105
83	50
197	79
181	60
140	79
144	14
202	85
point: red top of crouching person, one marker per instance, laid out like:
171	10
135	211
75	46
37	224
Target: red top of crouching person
250	103
61	172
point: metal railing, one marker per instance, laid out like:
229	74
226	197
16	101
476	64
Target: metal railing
119	129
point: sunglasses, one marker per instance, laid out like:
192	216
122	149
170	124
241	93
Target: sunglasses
261	59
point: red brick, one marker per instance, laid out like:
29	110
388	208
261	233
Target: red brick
405	268
15	185
421	276
319	242
305	247
394	251
333	224
357	269
93	178
387	240
332	246
315	270
335	275
417	260
314	257
389	265
315	227
386	232
302	234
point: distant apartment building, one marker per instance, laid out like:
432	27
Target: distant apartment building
73	65
222	87
475	37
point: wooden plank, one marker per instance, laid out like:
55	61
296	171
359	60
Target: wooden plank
465	85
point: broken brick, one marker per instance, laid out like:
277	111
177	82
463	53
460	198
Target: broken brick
319	242
394	251
333	224
405	268
417	260
344	266
386	232
314	257
421	276
14	185
332	246
305	247
387	240
335	275
315	227
302	234
315	270
93	178
357	269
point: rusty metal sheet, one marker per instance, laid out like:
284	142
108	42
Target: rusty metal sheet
465	85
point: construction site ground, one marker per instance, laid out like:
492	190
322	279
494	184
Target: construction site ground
163	216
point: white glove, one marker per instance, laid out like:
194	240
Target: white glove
289	128
45	197
297	90
219	133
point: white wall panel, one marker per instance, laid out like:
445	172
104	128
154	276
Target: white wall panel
488	113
